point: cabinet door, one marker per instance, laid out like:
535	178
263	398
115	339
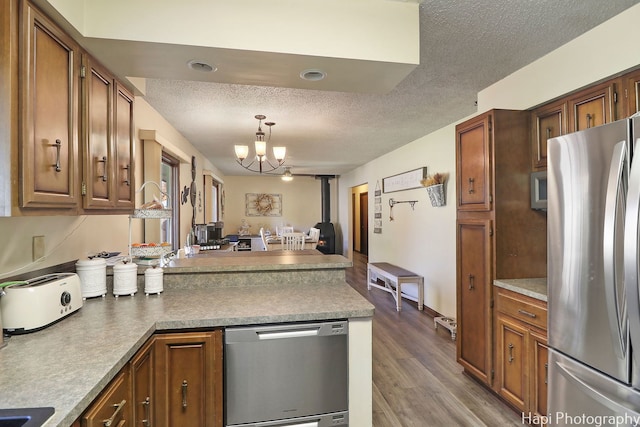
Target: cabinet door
632	93
474	297
548	122
473	164
98	139
142	386
113	404
49	99
512	361
189	379
124	144
539	375
592	107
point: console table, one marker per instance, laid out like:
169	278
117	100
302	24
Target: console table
394	277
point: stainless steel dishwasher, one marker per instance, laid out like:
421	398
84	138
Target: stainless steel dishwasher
288	374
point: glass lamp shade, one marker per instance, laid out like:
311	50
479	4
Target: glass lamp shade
242	151
279	153
286	176
261	148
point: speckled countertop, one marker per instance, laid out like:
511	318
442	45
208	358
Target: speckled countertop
69	363
535	287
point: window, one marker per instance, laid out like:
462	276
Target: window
170	172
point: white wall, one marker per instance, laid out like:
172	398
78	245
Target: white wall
301	202
423	241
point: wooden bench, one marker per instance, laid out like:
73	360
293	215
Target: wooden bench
394	275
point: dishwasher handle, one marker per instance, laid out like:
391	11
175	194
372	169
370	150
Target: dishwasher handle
296	333
285	331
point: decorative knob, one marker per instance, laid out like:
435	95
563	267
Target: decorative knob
65	298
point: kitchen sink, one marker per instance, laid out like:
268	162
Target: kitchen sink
25	417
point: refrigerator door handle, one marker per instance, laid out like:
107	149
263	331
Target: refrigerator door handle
631	234
596	392
615	190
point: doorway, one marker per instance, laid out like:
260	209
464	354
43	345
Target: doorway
364	223
360	218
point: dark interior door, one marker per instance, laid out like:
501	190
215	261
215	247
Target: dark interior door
364	223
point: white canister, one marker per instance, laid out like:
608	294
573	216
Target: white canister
125	279
153	281
93	277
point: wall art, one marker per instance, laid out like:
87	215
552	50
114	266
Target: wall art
404	181
261	204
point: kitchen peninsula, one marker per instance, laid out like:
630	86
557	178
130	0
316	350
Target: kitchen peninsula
68	364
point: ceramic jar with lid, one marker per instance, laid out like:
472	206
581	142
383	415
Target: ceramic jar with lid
93	277
125	279
153	280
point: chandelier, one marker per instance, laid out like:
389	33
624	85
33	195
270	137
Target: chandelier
264	165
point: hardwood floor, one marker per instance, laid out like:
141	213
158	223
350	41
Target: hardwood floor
416	380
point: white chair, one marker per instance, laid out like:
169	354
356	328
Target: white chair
282	230
314	235
292	241
264	239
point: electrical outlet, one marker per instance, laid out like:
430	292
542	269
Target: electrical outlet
38	247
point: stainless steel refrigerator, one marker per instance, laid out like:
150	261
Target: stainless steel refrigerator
593	299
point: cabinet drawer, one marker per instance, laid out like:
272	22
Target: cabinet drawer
113	404
522	308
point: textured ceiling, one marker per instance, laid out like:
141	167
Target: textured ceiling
465	46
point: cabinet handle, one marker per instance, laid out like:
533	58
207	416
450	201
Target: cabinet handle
110	420
589	117
184	393
472	282
526	313
146	404
510	352
127	181
471	185
58	146
548	133
104	174
546	373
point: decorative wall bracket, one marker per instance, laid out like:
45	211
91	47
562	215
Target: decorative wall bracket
393	202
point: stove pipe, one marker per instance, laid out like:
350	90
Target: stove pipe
327	239
325	191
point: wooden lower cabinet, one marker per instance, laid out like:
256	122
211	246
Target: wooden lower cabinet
189	379
142	368
175	379
521	352
113	406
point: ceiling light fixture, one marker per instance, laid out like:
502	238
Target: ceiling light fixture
242	151
287	175
196	65
313	75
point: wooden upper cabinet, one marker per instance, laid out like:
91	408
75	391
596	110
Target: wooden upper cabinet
98	135
473	168
125	145
631	88
49	110
592	107
107	140
547	122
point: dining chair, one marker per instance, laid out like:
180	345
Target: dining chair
264	239
314	235
292	241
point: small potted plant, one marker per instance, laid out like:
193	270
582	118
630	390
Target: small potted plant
435	188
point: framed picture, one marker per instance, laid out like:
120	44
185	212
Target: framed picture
261	204
404	181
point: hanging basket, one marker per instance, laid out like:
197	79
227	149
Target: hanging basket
436	195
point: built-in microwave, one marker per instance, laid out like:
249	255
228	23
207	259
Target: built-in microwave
539	190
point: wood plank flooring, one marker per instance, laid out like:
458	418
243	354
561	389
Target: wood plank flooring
416	380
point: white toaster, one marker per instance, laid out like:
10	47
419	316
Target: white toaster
37	303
